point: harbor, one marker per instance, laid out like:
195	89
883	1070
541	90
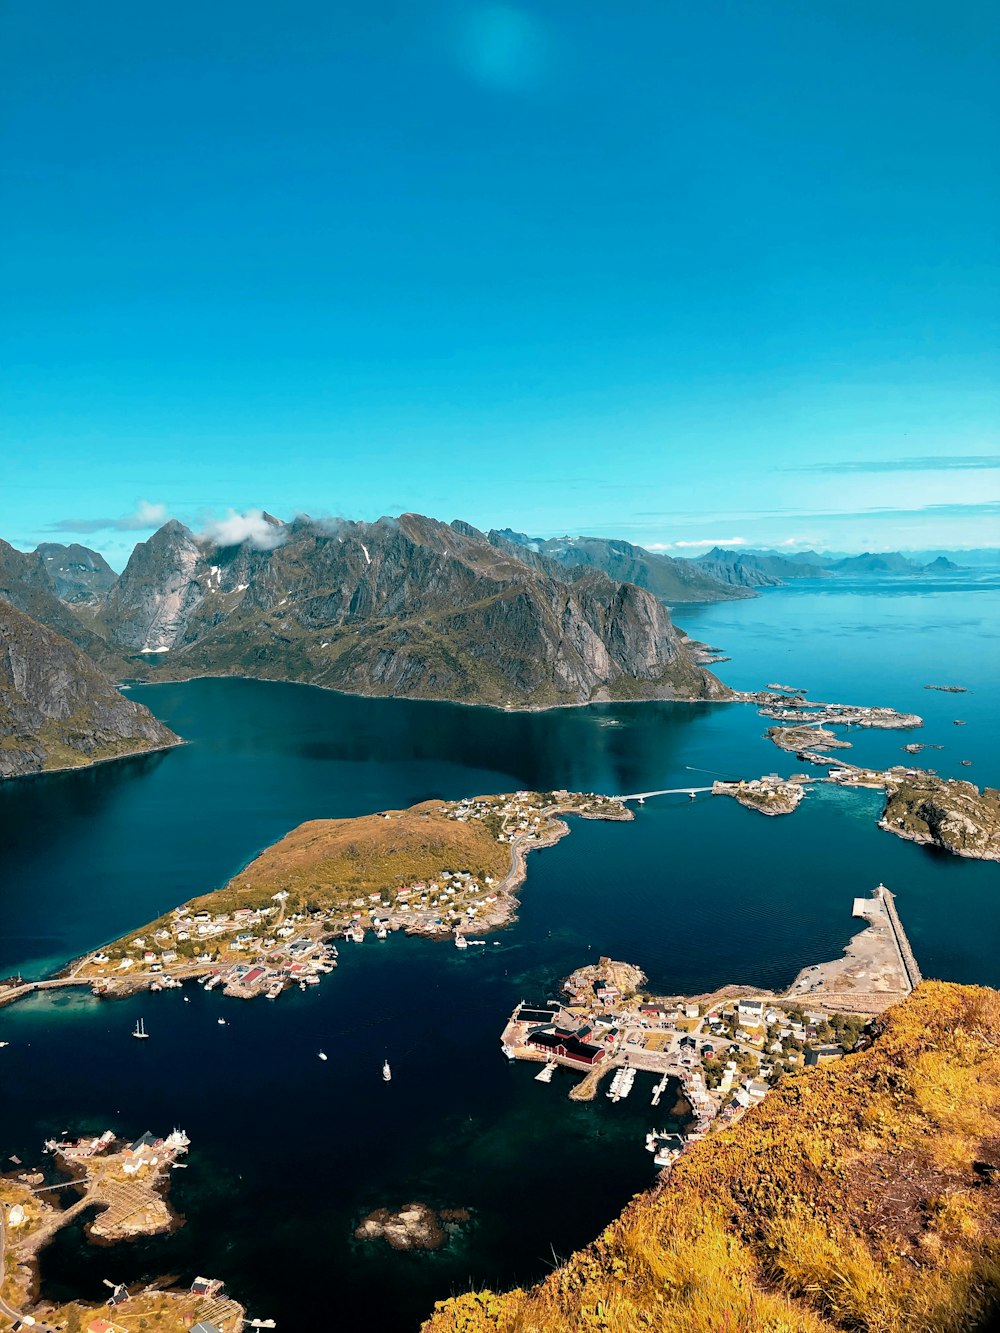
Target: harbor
721	1052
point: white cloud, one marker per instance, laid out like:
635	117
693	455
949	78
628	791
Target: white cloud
145	517
659	546
250	526
715	541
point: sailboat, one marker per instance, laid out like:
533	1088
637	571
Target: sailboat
386	1072
140	1031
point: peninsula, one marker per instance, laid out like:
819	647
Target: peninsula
441	869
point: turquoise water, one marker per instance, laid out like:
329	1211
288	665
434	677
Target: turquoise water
290	1152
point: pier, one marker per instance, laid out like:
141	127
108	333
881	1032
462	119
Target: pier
913	974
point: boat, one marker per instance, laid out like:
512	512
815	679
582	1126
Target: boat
381	933
323	1055
187	999
386	1072
660	1089
475	941
461	942
221	1022
140	1031
4	1043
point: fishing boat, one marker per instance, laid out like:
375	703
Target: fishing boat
140	1031
386	1072
323	1055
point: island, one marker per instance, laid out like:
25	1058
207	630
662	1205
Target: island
771	795
125	1183
443	869
943	812
806	736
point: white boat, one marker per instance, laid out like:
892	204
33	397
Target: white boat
187	999
221	1022
323	1055
461	942
3	1044
386	1072
140	1031
475	941
660	1089
381	933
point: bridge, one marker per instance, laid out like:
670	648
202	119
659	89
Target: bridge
667	791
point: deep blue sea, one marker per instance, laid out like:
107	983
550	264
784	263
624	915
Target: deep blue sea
289	1152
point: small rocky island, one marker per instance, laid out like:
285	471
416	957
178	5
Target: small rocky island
770	795
415	1226
812	737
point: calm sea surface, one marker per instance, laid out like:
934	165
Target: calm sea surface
288	1152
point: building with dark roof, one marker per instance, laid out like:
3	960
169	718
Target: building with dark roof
567	1046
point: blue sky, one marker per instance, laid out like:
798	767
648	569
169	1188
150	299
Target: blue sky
669	271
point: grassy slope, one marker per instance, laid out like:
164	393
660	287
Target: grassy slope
326	863
860	1196
330	861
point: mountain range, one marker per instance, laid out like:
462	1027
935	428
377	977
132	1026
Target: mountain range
770	569
405	607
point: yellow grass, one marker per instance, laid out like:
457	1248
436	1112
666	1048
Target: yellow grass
857	1197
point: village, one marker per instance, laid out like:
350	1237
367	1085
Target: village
264	948
124	1183
725	1050
725	1053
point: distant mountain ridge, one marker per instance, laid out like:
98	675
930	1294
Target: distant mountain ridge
674	581
769	569
77	573
409	607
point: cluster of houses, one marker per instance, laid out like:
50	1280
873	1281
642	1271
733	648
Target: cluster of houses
454	899
726	1055
147	1151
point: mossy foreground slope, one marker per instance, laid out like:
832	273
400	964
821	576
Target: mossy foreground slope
864	1196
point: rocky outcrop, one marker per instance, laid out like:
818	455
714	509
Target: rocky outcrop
57	708
414	1227
671	580
79	576
946	813
406	606
157	593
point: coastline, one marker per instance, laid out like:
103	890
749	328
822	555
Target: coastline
93	763
501	913
729	697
